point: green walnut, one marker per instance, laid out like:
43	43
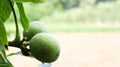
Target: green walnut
44	47
34	28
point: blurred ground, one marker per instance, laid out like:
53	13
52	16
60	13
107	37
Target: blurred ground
81	50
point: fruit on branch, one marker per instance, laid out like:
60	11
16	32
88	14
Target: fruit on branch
44	47
34	28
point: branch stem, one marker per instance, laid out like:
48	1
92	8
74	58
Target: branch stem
17	36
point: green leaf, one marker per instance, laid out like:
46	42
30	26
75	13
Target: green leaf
11	54
4	62
5	10
3	34
23	18
34	1
1	59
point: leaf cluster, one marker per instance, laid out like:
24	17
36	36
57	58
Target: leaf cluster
6	9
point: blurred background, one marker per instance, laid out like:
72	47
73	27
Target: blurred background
87	30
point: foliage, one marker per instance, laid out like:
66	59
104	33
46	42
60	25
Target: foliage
104	12
6	8
98	1
88	10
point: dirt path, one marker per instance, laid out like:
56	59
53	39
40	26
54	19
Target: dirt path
81	50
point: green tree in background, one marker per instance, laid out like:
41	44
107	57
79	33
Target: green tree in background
98	1
67	4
